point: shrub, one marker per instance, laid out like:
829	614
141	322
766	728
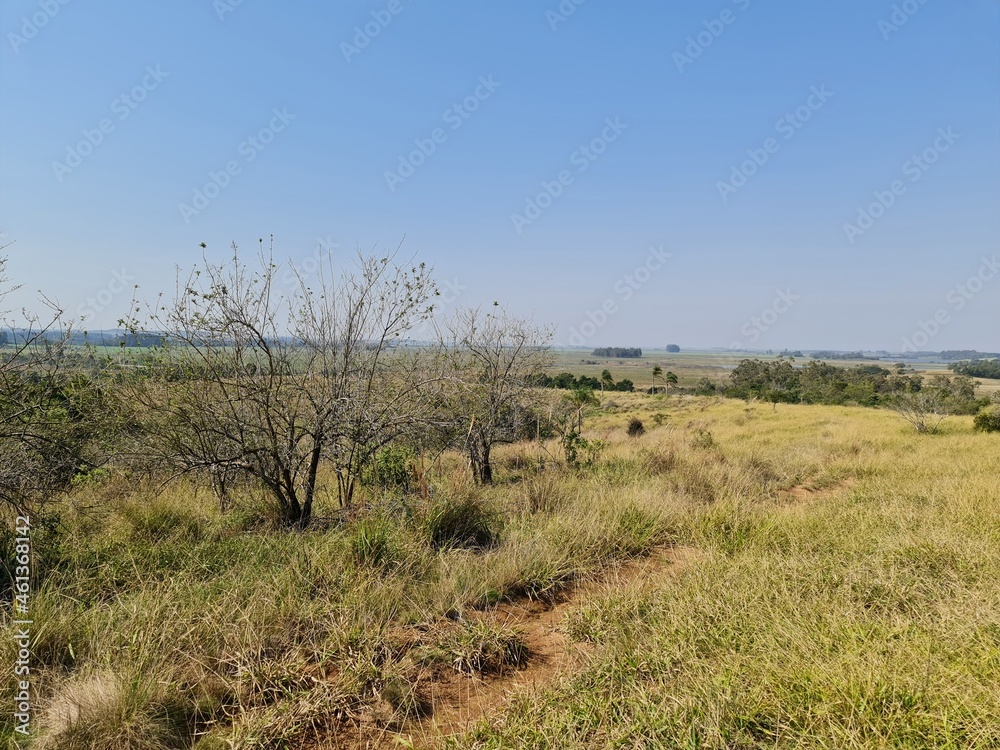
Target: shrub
705	387
467	523
392	468
988	418
635	427
573	443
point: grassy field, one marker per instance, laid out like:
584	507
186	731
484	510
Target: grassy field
739	576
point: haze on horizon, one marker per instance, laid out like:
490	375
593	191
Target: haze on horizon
725	173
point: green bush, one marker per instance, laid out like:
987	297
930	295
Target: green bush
392	468
635	427
988	418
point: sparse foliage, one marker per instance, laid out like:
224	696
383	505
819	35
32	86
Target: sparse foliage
494	360
925	404
254	383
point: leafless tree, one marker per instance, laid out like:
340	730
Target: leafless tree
494	359
925	404
42	441
255	383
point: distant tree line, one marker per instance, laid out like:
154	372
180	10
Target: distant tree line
569	382
968	354
781	381
981	368
853	356
618	352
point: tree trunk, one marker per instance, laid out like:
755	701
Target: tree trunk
479	459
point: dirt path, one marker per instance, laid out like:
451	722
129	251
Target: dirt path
458	701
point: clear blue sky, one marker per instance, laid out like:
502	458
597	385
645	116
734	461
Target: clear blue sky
210	76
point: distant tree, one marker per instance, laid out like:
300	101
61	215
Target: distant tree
618	352
669	378
982	368
606	380
970	354
673	349
926	404
705	387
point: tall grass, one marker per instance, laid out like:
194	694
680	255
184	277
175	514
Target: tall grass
845	595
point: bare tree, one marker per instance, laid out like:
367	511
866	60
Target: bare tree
253	383
925	405
43	436
494	360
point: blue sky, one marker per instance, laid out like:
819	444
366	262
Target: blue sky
744	137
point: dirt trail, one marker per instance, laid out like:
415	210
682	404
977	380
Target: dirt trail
458	701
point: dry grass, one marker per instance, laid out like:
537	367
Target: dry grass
845	594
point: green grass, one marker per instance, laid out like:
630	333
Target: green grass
844	592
